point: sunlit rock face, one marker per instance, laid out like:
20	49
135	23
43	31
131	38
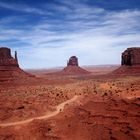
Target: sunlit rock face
6	59
73	61
131	56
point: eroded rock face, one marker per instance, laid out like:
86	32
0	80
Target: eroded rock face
10	72
131	56
73	61
73	68
6	59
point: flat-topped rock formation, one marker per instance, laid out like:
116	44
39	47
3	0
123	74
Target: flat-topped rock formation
9	67
130	62
131	56
73	61
73	67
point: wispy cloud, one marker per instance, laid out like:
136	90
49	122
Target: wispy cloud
23	8
94	34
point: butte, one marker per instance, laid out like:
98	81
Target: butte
73	67
9	68
130	62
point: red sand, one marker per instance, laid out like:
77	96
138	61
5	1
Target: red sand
106	107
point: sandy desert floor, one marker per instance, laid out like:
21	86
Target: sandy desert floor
84	107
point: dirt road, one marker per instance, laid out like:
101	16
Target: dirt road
59	109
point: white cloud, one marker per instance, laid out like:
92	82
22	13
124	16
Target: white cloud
95	35
23	8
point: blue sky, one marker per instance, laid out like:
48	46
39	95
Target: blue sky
47	32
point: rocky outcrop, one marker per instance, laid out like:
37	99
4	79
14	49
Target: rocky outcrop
130	63
9	68
73	67
6	59
131	56
73	61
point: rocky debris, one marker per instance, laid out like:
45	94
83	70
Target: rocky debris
131	56
73	61
127	70
70	70
6	59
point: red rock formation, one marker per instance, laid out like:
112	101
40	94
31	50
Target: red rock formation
131	56
6	59
73	68
9	67
130	62
73	61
